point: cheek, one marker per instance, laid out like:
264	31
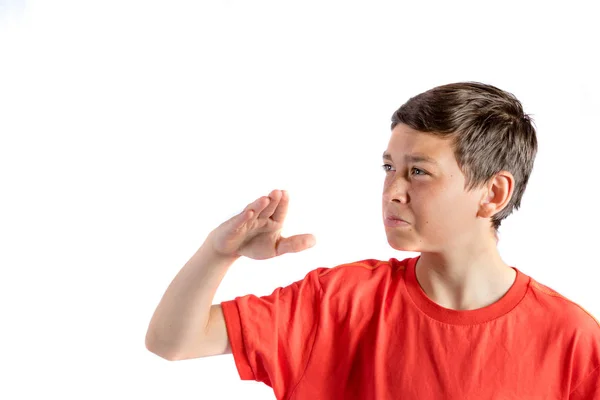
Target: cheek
442	208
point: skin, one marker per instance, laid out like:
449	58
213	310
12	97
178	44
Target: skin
460	267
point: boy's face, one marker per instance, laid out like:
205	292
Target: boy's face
429	196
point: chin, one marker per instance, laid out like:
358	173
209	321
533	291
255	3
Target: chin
401	244
412	249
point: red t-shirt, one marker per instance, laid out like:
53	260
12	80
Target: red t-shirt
367	330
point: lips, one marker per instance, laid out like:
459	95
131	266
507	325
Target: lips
396	218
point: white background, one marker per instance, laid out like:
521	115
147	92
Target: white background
131	129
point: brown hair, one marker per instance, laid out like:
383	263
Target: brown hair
489	133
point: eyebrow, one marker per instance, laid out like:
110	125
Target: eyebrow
413	158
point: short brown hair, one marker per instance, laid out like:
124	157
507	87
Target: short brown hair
489	133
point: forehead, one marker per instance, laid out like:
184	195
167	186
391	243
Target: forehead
407	141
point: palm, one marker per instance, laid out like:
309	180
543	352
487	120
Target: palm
263	243
258	235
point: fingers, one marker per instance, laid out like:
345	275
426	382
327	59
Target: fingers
296	244
274	198
276	205
282	207
243	217
249	212
257	205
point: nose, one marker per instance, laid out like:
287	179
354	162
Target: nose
396	191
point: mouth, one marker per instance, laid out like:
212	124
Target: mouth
394	218
394	222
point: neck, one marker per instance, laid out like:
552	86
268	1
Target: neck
465	280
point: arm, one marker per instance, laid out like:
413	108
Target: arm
185	323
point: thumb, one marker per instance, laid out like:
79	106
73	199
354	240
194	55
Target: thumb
295	244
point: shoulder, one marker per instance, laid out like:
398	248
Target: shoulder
579	331
359	276
572	313
360	269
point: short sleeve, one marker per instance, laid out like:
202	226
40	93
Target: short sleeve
272	336
589	389
586	357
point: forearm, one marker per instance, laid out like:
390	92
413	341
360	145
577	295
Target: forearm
183	312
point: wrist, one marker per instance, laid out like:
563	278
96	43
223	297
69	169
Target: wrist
209	250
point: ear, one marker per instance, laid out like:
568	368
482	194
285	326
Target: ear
496	195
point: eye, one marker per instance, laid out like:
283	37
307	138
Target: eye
384	167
